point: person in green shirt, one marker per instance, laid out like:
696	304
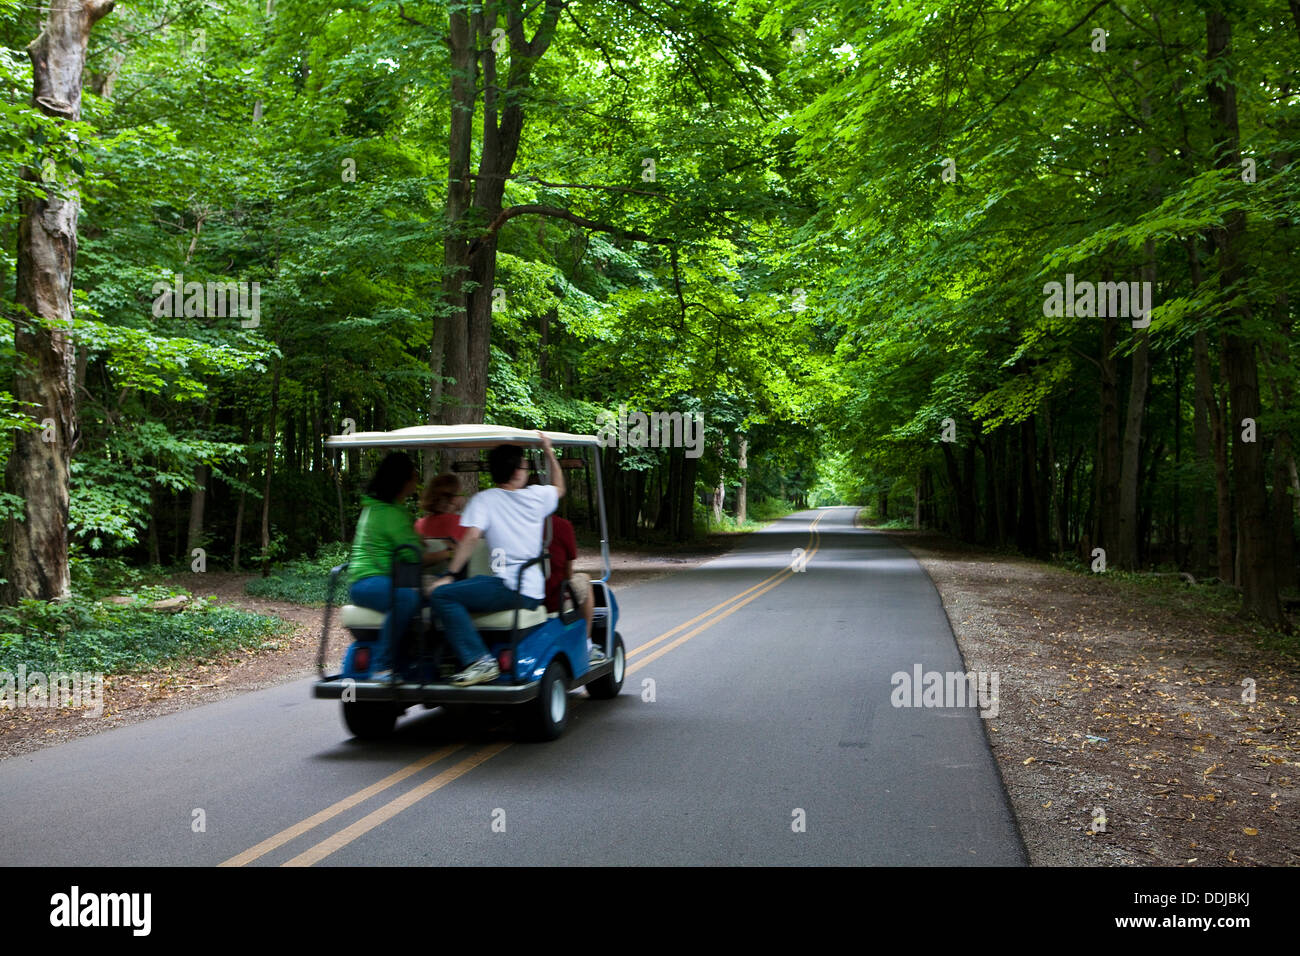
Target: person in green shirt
383	527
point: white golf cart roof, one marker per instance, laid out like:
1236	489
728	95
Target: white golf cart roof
459	436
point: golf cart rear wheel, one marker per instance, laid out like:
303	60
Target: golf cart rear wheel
369	720
550	711
608	686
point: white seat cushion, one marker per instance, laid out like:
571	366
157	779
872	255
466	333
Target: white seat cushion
363	617
503	620
353	616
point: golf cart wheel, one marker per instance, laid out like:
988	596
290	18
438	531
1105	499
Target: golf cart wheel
550	711
369	720
608	686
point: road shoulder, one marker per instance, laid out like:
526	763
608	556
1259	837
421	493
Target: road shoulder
1122	736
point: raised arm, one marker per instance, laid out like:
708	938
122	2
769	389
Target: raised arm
553	466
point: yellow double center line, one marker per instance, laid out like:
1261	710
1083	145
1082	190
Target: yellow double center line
395	806
735	602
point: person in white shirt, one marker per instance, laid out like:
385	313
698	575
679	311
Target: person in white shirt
511	517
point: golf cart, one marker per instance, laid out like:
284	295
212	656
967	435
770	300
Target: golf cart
542	655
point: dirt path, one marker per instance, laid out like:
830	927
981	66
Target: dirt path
130	698
1124	703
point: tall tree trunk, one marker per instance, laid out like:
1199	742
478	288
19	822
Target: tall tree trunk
269	470
672	496
1177	533
1284	513
720	490
685	530
318	406
1283	455
474	201
1126	549
638	499
239	532
1258	578
992	507
916	503
543	346
36	548
742	492
1284	504
155	512
198	500
1065	519
963	488
1202	436
245	435
1106	534
1027	523
290	441
1224	545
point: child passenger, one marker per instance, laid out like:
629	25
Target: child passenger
443	501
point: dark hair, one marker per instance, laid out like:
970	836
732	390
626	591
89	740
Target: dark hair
391	477
503	461
439	493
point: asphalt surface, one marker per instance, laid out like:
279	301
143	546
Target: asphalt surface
762	732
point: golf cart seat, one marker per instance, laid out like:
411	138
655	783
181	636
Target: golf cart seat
364	619
480	562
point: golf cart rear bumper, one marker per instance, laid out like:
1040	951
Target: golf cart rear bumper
333	688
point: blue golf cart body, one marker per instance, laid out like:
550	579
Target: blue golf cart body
541	655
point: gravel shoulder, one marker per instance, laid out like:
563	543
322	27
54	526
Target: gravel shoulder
1124	733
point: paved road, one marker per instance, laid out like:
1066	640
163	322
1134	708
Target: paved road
770	739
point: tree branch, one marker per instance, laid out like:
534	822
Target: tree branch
555	212
401	15
618	189
1037	62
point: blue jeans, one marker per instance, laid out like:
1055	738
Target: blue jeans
377	594
453	604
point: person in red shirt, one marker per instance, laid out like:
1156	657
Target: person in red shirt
563	552
443	501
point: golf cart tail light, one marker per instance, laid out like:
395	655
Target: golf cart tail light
362	659
505	660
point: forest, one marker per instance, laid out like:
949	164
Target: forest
1023	272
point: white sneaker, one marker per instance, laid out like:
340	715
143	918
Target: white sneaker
482	670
